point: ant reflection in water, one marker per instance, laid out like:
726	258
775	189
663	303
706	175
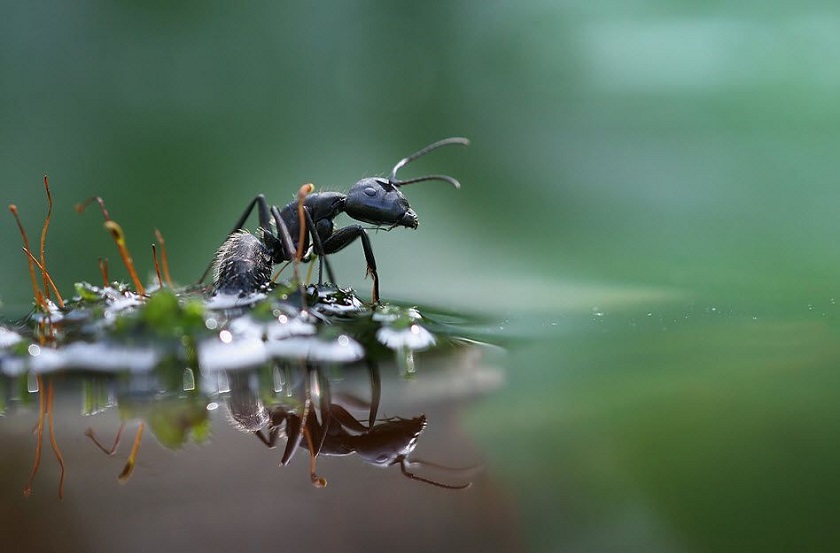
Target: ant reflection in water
380	442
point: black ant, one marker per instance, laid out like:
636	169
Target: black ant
244	262
381	443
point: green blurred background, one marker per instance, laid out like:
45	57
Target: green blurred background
653	144
669	160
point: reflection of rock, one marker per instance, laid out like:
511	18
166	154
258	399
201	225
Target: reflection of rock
342	349
413	337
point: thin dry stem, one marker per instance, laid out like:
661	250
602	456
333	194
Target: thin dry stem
103	270
36	291
132	457
119	238
89	433
48	281
27	490
53	442
157	266
44	236
164	258
304	191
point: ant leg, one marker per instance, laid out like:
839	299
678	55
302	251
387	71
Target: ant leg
289	249
269	441
283	234
343	417
265	222
319	249
342	238
294	431
375	391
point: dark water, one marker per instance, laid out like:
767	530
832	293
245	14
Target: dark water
228	492
693	428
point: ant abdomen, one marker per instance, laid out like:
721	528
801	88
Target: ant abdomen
242	266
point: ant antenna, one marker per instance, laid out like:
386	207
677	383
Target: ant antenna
404	468
392	179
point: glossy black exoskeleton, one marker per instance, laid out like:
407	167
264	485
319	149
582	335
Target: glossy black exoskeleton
244	262
384	443
378	442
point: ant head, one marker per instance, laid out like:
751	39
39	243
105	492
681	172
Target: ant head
377	201
392	441
380	202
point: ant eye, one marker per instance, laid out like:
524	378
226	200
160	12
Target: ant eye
370	191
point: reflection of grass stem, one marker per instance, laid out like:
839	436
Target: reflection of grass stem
89	433
132	457
45	407
27	490
317	481
53	443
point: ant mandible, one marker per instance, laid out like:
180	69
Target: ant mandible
244	262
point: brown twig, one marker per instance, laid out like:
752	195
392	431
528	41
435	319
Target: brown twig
53	443
48	281
164	258
304	191
103	269
119	238
27	490
157	266
36	291
44	236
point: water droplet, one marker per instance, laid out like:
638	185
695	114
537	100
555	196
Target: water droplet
188	380
225	336
279	380
32	382
34	350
